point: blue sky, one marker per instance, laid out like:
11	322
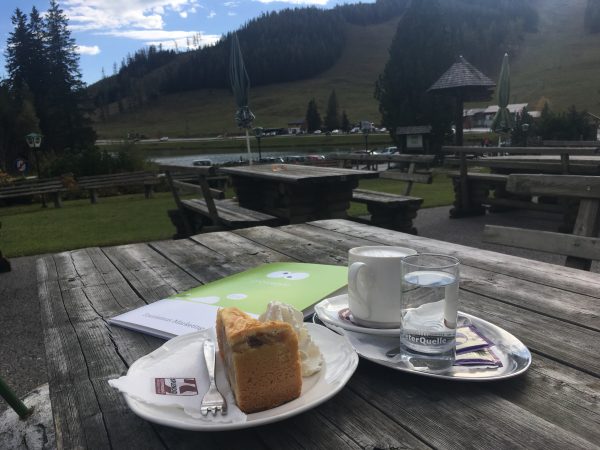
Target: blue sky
106	30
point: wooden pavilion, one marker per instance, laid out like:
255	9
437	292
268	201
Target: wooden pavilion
465	83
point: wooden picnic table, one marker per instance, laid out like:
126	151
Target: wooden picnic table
553	310
296	193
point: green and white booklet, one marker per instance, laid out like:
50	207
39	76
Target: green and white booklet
298	284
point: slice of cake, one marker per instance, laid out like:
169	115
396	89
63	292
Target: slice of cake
262	360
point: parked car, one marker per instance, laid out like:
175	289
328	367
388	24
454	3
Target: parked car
295	159
271	159
317	132
164	139
202	162
314	157
335	131
389	151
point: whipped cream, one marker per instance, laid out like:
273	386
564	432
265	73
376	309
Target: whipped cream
310	355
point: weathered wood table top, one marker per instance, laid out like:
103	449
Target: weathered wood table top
554	310
295	173
296	193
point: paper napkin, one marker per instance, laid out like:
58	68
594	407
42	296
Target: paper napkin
180	380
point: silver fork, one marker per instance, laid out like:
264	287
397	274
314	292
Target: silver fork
213	401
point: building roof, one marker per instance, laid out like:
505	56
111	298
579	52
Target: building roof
462	74
296	122
415	129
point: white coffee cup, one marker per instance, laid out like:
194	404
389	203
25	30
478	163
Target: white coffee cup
374	285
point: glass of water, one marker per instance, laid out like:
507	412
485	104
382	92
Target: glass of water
429	310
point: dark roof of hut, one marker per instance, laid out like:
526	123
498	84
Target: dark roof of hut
462	74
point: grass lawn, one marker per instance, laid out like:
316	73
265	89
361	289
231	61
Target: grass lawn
32	230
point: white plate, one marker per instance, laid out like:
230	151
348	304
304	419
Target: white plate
513	354
328	312
340	362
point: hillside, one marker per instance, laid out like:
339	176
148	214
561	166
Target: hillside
209	112
560	62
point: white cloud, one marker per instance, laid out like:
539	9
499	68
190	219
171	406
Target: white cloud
115	14
231	13
168	39
87	49
231	4
211	15
183	14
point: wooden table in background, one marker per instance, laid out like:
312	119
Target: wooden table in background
296	193
554	310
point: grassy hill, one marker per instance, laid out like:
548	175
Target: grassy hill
559	63
210	112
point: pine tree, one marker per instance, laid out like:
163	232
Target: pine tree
332	120
313	118
69	126
17	54
420	52
345	122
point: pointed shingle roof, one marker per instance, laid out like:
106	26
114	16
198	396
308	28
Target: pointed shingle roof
462	74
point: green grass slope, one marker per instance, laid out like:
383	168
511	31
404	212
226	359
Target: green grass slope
560	63
210	112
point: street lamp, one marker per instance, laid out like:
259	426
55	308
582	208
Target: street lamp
258	132
34	141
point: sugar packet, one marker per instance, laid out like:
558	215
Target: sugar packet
482	357
469	339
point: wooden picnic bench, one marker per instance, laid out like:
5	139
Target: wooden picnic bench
580	247
395	211
392	211
472	190
29	188
211	211
95	182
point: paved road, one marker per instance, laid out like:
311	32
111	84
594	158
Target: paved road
22	362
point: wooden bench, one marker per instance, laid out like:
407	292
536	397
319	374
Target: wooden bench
29	188
94	182
392	211
395	211
349	160
472	189
580	247
212	211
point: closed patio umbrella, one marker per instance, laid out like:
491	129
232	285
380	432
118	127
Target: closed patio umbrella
502	120
240	85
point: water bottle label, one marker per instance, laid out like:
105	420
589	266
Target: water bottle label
436	342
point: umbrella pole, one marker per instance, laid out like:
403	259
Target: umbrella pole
248	147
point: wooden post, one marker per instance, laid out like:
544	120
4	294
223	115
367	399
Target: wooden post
586	224
93	196
184	218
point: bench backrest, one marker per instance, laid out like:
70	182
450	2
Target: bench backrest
116	179
43	186
203	188
410	176
554	143
583	245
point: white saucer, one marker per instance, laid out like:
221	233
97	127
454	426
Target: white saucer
340	362
328	312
